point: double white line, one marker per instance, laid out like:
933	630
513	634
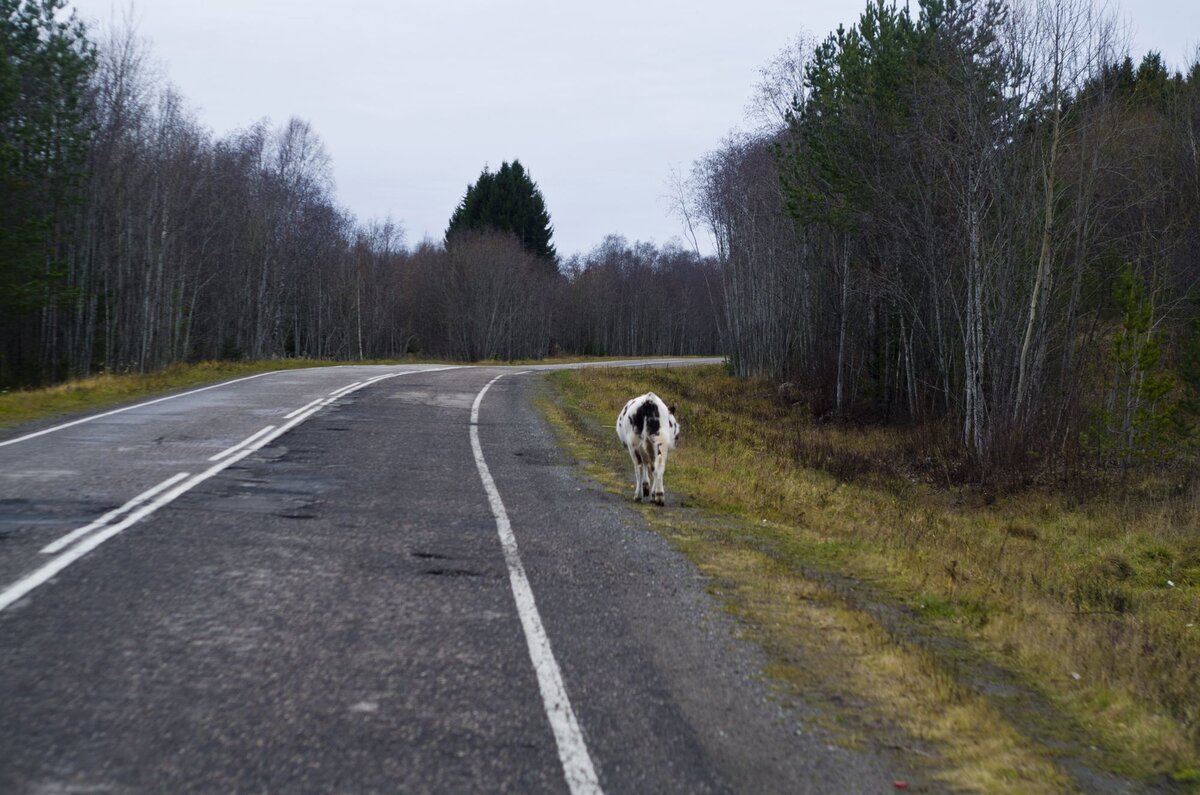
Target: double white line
71	537
97	532
244	443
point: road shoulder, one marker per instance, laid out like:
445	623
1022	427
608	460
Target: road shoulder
640	634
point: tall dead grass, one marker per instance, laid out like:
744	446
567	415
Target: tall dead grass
1092	598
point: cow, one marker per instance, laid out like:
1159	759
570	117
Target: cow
648	438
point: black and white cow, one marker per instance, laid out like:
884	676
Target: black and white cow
648	429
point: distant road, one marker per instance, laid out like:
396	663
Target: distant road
362	579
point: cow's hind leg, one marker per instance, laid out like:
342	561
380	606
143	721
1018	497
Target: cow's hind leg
658	466
647	474
637	475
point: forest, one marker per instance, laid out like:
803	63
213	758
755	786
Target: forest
978	216
132	238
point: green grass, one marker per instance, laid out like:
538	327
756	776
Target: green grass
1070	598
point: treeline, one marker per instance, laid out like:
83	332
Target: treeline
638	300
977	213
131	237
485	296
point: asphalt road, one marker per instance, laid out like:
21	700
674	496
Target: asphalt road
375	595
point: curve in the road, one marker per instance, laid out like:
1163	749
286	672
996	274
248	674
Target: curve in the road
92	539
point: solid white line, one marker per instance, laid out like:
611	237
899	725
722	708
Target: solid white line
70	537
46	572
305	407
241	444
130	408
343	390
572	750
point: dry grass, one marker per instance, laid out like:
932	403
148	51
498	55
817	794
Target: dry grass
100	391
1096	604
857	658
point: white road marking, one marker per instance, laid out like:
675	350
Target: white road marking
572	750
345	389
242	443
39	474
46	572
42	575
305	407
82	420
45	431
70	537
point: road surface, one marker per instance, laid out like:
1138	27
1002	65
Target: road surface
363	579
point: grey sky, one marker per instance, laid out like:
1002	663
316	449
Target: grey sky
598	100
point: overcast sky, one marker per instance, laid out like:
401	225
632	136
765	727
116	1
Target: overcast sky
598	100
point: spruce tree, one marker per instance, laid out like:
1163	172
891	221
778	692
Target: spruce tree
46	62
507	200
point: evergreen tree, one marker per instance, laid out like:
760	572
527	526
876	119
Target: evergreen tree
45	64
506	201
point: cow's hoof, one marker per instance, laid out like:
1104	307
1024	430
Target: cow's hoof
660	499
637	497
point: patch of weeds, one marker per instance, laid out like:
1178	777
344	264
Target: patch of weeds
1023	531
1186	775
936	607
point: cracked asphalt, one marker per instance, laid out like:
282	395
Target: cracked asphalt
332	612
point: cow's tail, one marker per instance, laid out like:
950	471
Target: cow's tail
646	420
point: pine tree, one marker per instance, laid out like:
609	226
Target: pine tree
506	201
45	64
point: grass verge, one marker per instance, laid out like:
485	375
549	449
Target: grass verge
1026	643
102	391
